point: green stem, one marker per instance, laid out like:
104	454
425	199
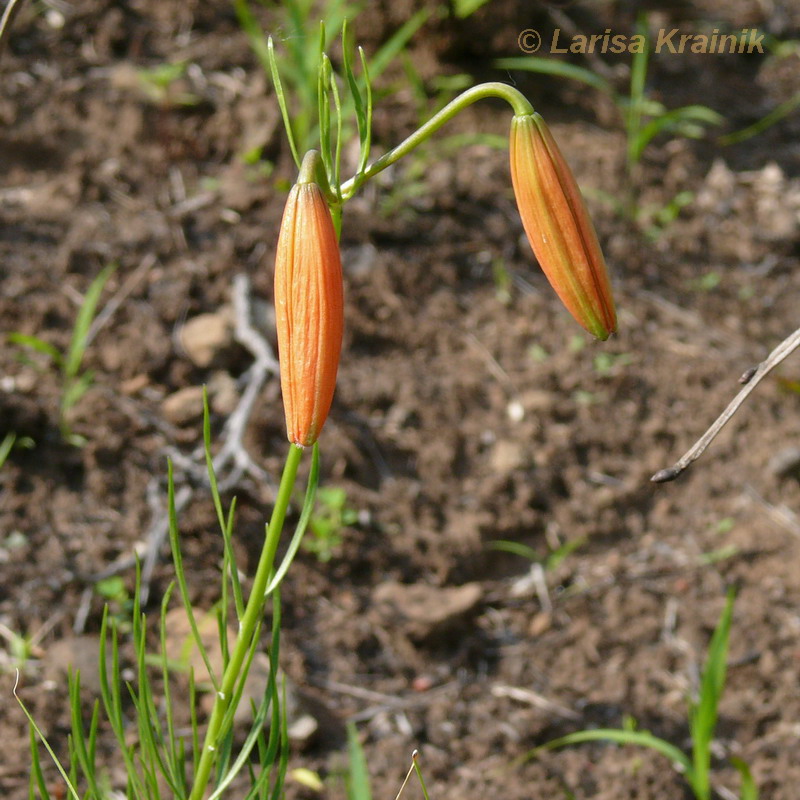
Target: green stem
511	95
312	170
248	625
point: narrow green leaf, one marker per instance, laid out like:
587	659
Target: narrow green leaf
37	344
358	786
5	447
355	92
335	178
324	113
466	8
561	69
397	41
226	525
766	122
749	788
256	730
79	749
419	776
172	750
515	548
672	120
37	776
112	698
365	150
212	476
193	719
93	724
233	572
634	113
43	740
302	523
180	575
283	759
642	738
703	718
276	82
80	333
75	388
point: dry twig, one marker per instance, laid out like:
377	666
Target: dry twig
233	452
9	12
232	461
751	378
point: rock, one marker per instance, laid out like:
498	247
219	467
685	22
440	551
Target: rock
80	654
206	336
507	456
426	611
182	649
303	730
183	406
223	396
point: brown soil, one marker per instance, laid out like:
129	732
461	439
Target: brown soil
463	414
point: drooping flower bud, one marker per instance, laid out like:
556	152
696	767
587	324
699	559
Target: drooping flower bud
558	226
309	311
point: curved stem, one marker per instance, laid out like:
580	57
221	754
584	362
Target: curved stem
512	96
248	625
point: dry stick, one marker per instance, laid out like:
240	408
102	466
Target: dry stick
9	13
232	450
781	515
751	379
233	433
534	699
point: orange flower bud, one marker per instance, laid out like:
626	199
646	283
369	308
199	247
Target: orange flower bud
558	226
309	311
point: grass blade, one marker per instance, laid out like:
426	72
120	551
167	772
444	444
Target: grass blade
80	333
749	789
5	447
302	524
43	740
561	69
181	575
279	93
358	787
642	738
703	719
397	41
37	344
767	121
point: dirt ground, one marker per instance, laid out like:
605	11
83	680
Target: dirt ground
470	408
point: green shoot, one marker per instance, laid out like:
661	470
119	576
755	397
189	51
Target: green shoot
74	382
357	783
21	648
549	561
466	8
323	104
159	759
5	447
330	517
358	787
767	121
703	714
161	85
